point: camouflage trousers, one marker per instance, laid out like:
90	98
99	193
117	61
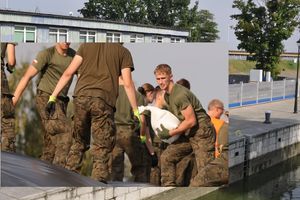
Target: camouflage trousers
57	130
174	153
8	135
92	117
155	174
215	173
203	142
128	141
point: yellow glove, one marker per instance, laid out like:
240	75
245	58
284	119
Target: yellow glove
143	138
50	107
137	115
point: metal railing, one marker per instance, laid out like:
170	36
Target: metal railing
244	94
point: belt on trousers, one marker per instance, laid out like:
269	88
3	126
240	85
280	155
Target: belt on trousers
7	95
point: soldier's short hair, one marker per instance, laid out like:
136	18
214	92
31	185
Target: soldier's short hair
163	68
146	87
184	83
215	103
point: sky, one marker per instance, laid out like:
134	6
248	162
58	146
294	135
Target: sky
222	9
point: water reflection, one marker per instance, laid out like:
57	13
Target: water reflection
279	182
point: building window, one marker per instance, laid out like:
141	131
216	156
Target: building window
157	39
58	35
136	38
25	34
87	36
113	37
175	40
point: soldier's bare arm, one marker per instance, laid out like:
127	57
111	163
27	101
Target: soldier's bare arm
67	75
11	56
188	122
129	87
29	74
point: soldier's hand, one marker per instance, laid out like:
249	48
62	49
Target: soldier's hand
163	133
10	68
50	108
154	160
137	115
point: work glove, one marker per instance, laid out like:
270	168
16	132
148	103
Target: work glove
163	133
50	108
154	160
143	139
10	68
137	115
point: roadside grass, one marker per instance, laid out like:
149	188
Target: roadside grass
285	67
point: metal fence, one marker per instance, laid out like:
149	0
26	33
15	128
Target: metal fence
244	94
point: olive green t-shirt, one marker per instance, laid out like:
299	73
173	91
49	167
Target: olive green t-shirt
51	66
124	114
98	75
4	82
180	98
3	50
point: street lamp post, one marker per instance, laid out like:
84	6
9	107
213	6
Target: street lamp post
297	77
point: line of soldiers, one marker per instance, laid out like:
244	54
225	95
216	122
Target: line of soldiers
107	121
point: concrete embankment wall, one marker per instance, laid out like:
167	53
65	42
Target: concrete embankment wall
250	154
93	193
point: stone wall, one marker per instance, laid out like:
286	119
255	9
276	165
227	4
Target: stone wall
250	154
92	193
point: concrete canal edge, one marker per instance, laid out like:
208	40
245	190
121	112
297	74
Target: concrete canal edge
81	193
103	193
186	193
250	154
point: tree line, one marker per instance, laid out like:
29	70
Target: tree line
167	13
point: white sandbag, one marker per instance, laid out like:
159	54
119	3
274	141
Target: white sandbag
164	117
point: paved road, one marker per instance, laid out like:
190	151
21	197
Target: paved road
249	120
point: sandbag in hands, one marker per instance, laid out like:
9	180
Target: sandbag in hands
164	117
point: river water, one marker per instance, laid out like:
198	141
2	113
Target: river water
280	182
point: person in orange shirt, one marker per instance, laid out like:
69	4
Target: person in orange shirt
215	111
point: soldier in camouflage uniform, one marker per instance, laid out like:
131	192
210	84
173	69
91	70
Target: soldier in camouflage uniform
128	140
8	135
194	122
50	65
216	172
98	66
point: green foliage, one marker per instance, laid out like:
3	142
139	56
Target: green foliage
241	66
261	29
169	13
283	68
27	121
116	10
205	29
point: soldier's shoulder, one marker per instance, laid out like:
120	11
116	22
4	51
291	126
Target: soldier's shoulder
49	50
46	52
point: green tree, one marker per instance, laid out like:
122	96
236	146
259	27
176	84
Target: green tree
116	10
204	29
168	13
27	122
262	29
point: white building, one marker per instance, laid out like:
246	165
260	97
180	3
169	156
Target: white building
19	26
